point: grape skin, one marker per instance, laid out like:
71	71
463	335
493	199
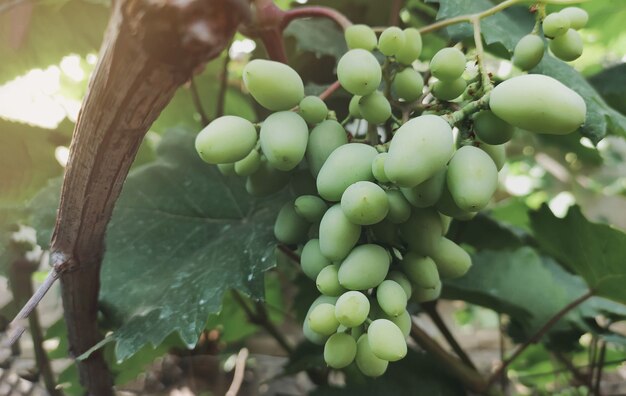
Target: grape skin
352	308
284	136
346	165
274	85
226	139
472	178
528	52
364	203
391	41
340	350
448	64
360	36
555	25
323	140
337	235
366	361
567	47
358	72
365	267
386	340
312	260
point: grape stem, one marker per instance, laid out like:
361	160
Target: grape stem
468	109
480	56
330	90
316	11
468	17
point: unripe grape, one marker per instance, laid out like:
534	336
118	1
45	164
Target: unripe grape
399	207
538	104
491	129
402	280
421	270
289	227
577	17
378	168
412	47
408	84
528	52
327	282
322	319
358	72
375	108
360	36
452	261
445	222
337	234
310	207
323	140
353	107
386	340
567	47
313	109
364	203
346	165
369	364
352	308
419	149
248	165
555	25
422	231
227	169
421	295
496	152
310	335
312	260
428	192
266	180
274	85
448	64
472	178
284	136
386	233
365	267
391	298
226	139
302	183
403	321
449	90
448	207
340	350
391	40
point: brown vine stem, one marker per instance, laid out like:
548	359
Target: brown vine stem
468	17
195	96
538	335
316	11
330	90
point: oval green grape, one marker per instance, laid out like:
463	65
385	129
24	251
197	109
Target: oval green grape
386	340
322	319
402	280
352	308
353	107
309	334
378	168
421	270
310	207
227	169
365	267
339	350
421	295
577	17
496	152
289	227
567	47
313	109
337	234
323	140
555	25
404	322
365	203
446	206
284	136
408	84
369	364
399	207
327	282
375	108
358	72
391	297
451	259
428	192
491	129
248	165
273	85
312	260
412	47
346	165
448	64
226	139
391	40
360	36
528	52
472	178
449	90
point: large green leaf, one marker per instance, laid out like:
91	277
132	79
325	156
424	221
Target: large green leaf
610	84
594	251
319	36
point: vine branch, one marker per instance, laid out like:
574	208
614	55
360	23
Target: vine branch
316	11
195	96
468	17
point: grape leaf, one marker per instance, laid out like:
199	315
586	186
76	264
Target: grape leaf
594	251
319	36
610	84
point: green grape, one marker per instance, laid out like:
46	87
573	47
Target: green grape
352	308
364	203
353	107
378	168
365	267
337	234
428	192
421	295
423	230
577	17
391	298
496	152
402	280
322	319
360	36
528	52
274	85
538	104
302	183
448	207
369	364
472	178
420	148
567	47
310	207
452	261
248	165
412	47
284	136
227	169
312	260
289	227
386	233
309	334
346	165
327	282
403	321
448	64
491	129
555	25
445	222
340	350
391	40
408	84
358	72
421	270
375	108
449	90
313	109
399	207
386	340
323	140
266	180
226	139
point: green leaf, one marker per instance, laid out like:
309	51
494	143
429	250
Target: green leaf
53	31
610	84
319	36
601	118
594	251
483	232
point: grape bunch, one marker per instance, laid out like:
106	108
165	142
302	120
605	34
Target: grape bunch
371	214
565	42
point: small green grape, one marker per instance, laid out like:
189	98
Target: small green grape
386	340
364	203
322	319
378	168
327	282
421	270
452	261
528	52
352	308
412	47
391	40
448	64
428	192
226	139
353	107
346	165
248	165
337	234
284	136
311	335
369	364
312	260
323	140
472	178
358	72
274	85
402	280
577	17
365	267
375	108
449	90
404	322
290	228
555	25
491	129
399	207
310	207
227	169
391	298
339	350
360	36
408	84
567	47
497	153
313	109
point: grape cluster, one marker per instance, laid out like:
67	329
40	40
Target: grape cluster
371	214
565	42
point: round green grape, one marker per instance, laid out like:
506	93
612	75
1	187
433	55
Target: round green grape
391	297
284	136
365	267
369	364
412	47
449	90
408	84
391	40
310	207
358	72
386	340
364	203
339	350
309	334
327	282
312	260
274	85
226	139
322	319
248	165
227	169
352	308
337	234
421	270
422	230
313	109
346	165
378	168
323	140
428	192
555	25
289	227
448	64
402	280
491	129
404	322
496	152
567	47
353	107
421	295
399	207
448	207
528	52
266	180
577	17
472	178
375	108
360	36
452	261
